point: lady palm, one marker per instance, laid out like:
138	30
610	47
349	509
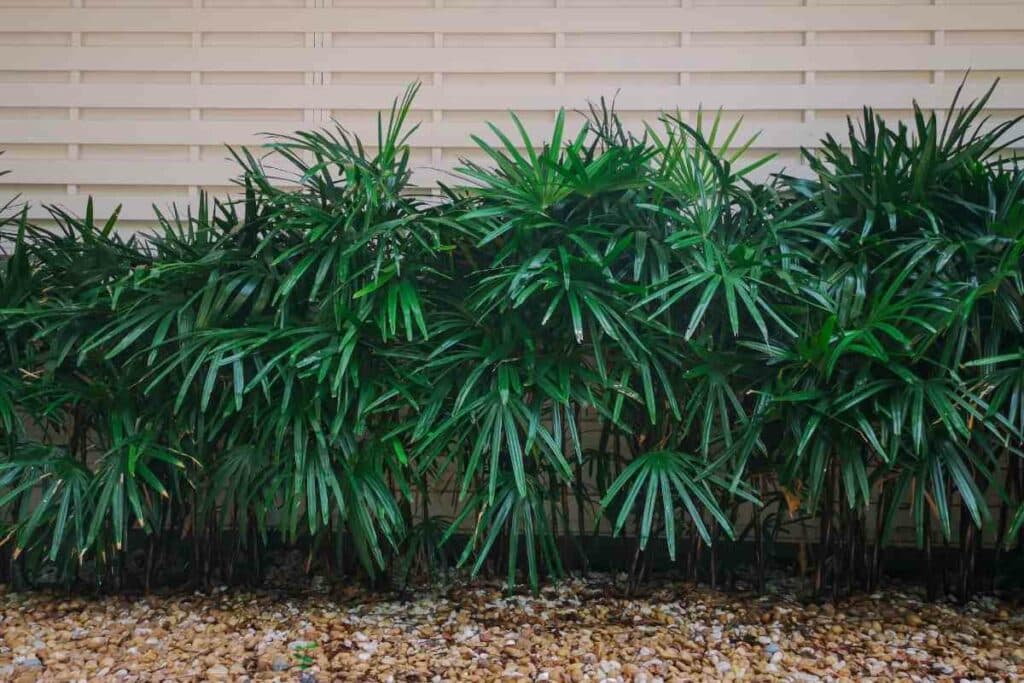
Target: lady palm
878	393
604	326
249	356
574	311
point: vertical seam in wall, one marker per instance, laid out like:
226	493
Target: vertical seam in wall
75	77
938	41
322	40
309	114
437	113
323	78
685	40
559	76
810	38
195	79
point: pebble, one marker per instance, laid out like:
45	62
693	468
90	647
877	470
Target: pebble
218	671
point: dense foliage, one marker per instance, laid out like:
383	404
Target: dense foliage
606	328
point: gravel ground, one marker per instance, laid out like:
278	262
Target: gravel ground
574	631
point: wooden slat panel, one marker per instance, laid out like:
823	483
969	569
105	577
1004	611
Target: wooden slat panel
141	208
144	97
518	20
143	173
132	209
91	172
242	133
544	60
1010	95
769	136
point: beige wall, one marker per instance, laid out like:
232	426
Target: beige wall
132	100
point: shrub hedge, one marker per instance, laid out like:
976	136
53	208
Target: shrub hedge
608	325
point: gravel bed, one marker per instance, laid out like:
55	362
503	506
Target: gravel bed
573	631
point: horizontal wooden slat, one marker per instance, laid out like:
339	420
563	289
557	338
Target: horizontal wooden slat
248	133
89	172
484	60
143	173
544	98
131	208
135	208
513	20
